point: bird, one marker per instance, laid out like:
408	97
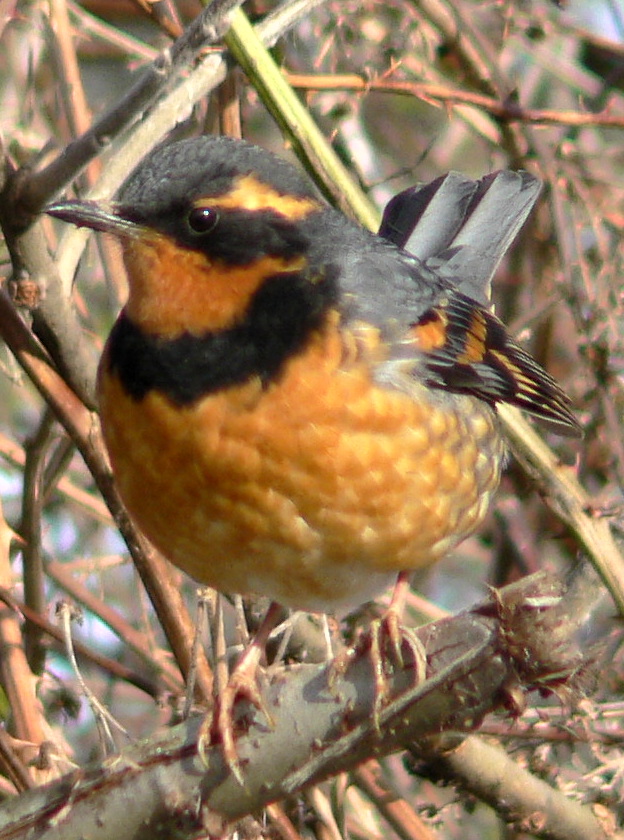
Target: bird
294	406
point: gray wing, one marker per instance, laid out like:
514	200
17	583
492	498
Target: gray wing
431	304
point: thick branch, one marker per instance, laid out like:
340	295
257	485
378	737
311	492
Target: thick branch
524	801
473	662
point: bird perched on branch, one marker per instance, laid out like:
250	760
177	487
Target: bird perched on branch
296	407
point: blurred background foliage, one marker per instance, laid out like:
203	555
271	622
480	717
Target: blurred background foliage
404	90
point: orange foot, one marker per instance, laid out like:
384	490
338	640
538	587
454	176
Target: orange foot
389	640
243	682
392	646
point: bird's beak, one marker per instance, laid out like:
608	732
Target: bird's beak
106	218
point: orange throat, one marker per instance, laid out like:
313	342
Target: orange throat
175	290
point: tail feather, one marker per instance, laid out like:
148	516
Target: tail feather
462	228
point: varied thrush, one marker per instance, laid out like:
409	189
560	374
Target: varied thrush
296	407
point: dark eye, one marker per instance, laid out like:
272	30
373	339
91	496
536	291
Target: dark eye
202	219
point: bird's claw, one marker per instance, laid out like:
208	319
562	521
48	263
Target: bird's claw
389	640
392	646
243	682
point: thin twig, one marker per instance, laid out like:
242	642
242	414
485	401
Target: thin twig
563	493
107	664
399	813
14	454
506	110
103	717
206	29
31	530
132	638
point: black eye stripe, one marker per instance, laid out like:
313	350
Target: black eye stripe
202	219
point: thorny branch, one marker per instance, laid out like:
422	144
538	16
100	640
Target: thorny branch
471	671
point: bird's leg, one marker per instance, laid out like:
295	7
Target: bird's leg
387	640
388	637
243	682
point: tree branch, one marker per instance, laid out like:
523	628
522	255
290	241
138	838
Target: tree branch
476	661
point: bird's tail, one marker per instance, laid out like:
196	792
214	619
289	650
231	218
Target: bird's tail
462	228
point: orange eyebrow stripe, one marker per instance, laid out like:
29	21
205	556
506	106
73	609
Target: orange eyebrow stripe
248	193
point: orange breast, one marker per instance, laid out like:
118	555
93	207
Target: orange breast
313	491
